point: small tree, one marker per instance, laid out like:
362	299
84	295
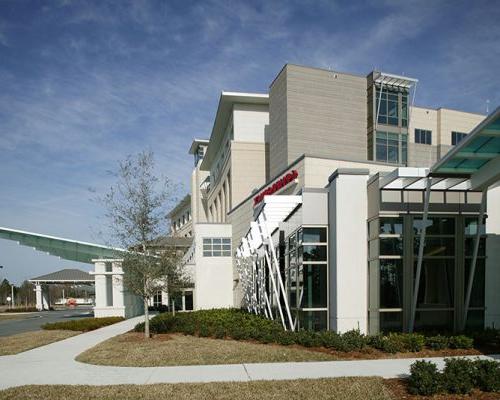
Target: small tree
136	207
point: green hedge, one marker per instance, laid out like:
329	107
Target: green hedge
240	325
83	325
460	376
21	309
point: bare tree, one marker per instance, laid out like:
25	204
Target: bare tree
136	207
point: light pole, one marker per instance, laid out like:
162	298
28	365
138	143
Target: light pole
12	295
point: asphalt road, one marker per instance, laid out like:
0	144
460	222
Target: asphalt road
34	321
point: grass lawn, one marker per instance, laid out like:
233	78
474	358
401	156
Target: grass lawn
131	349
339	388
29	340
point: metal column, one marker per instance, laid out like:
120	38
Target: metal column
420	254
477	239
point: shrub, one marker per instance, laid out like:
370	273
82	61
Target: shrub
487	377
305	338
353	340
487	337
458	375
437	342
398	342
204	331
424	379
21	309
331	340
461	342
286	338
83	325
413	341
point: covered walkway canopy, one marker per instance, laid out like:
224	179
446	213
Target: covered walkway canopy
73	276
65	276
476	158
65	249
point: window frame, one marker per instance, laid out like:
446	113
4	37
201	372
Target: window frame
223	247
423	136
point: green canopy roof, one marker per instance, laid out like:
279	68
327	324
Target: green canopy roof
66	249
474	152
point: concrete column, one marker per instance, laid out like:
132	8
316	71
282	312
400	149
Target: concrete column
38	295
492	270
348	270
100	284
118	295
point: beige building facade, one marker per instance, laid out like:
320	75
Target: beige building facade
296	213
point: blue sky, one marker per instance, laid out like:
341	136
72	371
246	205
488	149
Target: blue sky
85	83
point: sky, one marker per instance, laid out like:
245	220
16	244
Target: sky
83	84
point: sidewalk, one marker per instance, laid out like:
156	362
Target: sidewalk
54	364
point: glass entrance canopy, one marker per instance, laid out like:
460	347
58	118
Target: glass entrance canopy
480	149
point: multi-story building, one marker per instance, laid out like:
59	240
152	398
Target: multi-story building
333	202
181	218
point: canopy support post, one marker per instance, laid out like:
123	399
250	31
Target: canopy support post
477	239
421	246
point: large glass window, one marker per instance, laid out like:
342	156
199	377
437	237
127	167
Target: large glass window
437	284
314	252
387	273
391	226
315	286
307	277
216	247
391	321
314	235
313	320
391	147
391	246
388	109
436	295
423	136
391	283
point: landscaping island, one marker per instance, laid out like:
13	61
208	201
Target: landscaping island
229	336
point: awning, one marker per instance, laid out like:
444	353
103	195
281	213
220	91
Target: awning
66	249
408	178
384	78
65	276
476	157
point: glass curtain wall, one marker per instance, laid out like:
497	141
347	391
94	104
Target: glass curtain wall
386	249
393	255
388	141
307	277
436	295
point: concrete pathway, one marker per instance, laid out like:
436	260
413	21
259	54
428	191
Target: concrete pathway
55	364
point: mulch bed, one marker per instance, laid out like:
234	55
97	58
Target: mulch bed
399	389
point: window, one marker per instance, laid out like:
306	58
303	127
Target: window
423	136
315	286
306	277
391	283
216	247
391	147
188	301
388	106
200	153
456	137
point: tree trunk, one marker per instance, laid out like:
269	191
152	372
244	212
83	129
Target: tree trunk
146	318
